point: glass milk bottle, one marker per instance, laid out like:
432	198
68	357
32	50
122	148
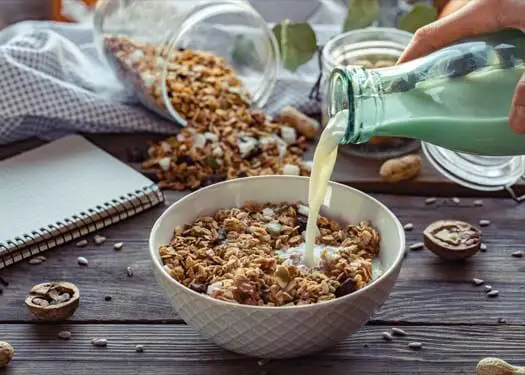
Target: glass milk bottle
456	101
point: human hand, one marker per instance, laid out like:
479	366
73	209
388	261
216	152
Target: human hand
477	17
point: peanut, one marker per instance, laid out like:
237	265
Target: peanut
303	124
403	168
496	366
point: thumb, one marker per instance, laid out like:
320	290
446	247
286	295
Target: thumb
517	113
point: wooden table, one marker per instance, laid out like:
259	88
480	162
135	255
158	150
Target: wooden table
434	302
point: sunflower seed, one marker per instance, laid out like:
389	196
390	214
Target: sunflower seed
107	298
415	345
139	348
517	254
484	223
64	335
478	282
478	203
118	246
98	239
488	288
99	342
493	293
483	247
130	271
81	243
456	200
408	226
398	332
502	321
82	261
416	246
387	336
430	200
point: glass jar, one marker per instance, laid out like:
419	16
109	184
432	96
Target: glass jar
455	100
230	29
373	47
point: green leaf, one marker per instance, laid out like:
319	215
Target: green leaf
361	13
297	42
420	15
244	51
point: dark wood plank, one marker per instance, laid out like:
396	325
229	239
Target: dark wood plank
428	290
359	172
178	349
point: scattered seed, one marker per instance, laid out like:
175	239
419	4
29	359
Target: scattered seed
263	362
488	288
517	254
108	298
416	246
502	321
98	239
430	200
118	246
484	223
493	293
3	281
82	243
387	336
99	342
82	261
365	345
456	200
415	345
478	203
139	348
64	335
478	282
398	332
1	291
408	226
483	247
35	261
130	271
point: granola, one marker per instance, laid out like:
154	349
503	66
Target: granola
250	256
224	138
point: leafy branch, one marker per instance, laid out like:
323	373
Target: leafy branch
298	42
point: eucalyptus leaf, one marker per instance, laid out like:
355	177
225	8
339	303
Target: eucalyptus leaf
420	15
361	13
297	43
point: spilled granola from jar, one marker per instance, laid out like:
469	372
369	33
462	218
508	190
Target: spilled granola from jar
253	255
224	138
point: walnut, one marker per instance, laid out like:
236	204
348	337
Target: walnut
6	353
53	301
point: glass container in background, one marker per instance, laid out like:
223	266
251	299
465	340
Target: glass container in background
373	48
231	29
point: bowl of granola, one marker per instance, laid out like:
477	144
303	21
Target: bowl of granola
229	257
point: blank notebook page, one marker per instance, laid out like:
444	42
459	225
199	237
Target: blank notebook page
59	180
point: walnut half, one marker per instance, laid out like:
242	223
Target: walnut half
53	301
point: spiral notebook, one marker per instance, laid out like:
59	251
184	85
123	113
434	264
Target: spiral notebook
64	190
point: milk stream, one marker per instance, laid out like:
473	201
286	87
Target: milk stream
323	164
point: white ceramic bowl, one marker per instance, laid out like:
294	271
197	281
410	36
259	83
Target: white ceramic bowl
280	332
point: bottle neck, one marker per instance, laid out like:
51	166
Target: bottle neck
360	92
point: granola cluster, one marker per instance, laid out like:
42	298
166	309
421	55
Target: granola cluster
250	255
224	138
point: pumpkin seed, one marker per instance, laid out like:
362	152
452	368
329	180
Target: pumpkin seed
387	336
517	254
478	203
118	246
64	335
35	261
408	226
99	342
488	288
98	239
130	271
82	261
430	200
139	348
483	247
493	293
456	200
484	223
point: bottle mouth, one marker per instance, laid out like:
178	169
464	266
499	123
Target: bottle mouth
340	98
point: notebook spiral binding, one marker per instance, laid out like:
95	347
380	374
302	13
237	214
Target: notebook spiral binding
76	226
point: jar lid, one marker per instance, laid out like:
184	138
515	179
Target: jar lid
482	173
